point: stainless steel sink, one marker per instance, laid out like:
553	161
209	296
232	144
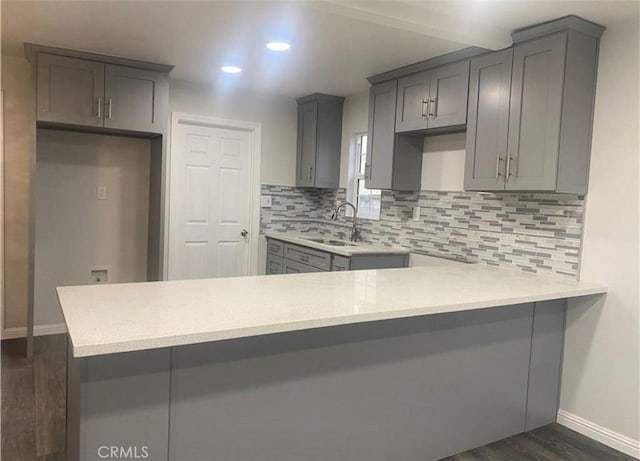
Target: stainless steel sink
332	242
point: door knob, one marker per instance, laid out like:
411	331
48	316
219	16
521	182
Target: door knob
244	232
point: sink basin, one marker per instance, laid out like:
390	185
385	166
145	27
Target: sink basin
332	242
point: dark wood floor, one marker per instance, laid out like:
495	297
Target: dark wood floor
34	400
33	416
549	443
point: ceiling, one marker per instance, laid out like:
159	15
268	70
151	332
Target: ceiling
335	44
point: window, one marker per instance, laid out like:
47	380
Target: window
367	201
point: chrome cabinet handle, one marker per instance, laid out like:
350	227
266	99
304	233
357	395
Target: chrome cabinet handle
425	102
498	161
509	158
110	103
244	232
367	171
310	173
433	107
99	114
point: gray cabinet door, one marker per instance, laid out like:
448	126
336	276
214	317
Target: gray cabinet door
294	267
394	161
135	99
69	90
380	140
535	115
307	142
488	121
274	264
411	106
448	95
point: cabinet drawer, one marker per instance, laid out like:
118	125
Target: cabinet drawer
308	256
275	247
294	267
275	264
340	263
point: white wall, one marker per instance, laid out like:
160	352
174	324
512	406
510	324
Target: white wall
443	162
277	114
76	232
601	357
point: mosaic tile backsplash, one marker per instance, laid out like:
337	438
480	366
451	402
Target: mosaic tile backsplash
530	232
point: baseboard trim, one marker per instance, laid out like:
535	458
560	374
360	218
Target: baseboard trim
617	441
38	330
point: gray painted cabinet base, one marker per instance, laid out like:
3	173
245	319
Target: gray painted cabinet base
414	388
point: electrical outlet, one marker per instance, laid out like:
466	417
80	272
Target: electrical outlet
99	275
265	201
101	192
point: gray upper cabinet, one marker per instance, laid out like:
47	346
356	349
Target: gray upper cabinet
548	133
70	90
307	141
433	99
319	141
394	161
413	103
536	110
488	121
135	99
80	89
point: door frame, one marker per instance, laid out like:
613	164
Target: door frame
255	184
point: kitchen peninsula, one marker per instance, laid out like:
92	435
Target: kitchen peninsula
411	363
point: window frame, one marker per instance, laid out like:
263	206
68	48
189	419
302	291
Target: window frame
356	175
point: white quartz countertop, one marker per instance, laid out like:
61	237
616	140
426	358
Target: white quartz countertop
358	249
110	318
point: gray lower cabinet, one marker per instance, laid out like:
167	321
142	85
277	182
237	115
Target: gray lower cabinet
433	99
545	144
73	91
275	264
394	161
319	141
288	258
423	387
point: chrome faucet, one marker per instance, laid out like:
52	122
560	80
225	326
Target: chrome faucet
355	232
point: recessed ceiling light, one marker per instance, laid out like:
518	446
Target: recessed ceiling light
231	69
278	46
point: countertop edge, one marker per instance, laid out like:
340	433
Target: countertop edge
364	249
80	351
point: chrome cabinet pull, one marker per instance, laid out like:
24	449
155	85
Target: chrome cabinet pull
433	107
509	158
244	232
110	103
425	102
99	107
367	171
498	161
310	173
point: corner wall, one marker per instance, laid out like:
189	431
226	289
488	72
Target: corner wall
600	381
277	114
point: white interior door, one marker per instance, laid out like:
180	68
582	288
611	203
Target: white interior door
210	202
